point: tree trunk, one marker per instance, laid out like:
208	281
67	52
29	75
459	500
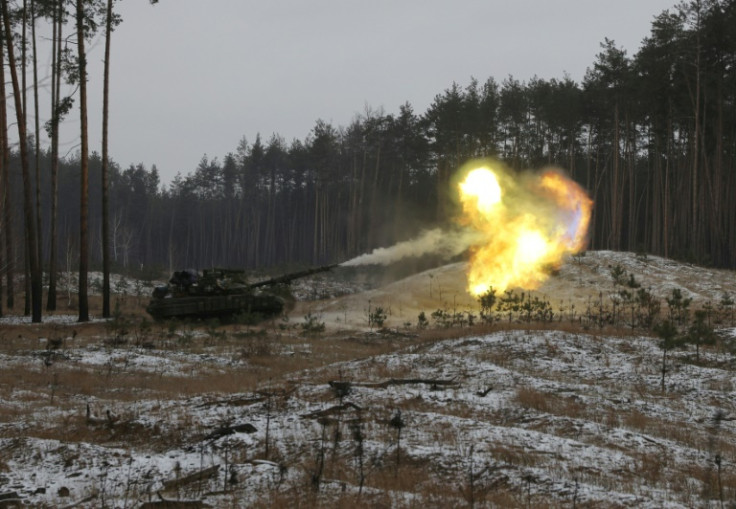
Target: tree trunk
37	133
24	100
7	195
30	221
105	203
695	232
616	190
55	119
664	367
84	170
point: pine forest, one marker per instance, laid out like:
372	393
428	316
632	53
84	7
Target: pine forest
651	136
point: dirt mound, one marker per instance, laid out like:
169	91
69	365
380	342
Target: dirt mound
581	280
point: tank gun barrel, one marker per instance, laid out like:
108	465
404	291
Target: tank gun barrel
288	278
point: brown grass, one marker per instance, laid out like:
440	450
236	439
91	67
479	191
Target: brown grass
637	420
273	357
529	397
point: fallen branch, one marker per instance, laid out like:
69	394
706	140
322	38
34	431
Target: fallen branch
262	396
79	502
264	462
484	393
407	381
230	430
244	401
196	476
174	504
652	441
327	412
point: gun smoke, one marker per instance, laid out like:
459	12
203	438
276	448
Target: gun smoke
440	242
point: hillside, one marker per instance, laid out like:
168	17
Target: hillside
581	282
563	413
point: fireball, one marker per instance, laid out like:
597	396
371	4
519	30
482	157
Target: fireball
527	223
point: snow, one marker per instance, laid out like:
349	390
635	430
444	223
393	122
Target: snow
60	319
560	417
597	455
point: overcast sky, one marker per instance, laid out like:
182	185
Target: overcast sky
191	78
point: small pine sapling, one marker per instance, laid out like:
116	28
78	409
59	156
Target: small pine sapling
487	300
700	332
668	333
398	424
422	321
679	306
726	308
359	452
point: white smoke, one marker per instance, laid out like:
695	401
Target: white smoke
444	243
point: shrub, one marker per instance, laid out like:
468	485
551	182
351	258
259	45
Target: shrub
422	321
312	325
377	317
487	300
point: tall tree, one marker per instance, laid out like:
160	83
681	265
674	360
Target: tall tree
693	13
7	192
110	20
656	67
84	165
30	220
59	108
606	87
444	122
37	135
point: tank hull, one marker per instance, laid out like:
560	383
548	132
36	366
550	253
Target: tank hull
222	293
215	306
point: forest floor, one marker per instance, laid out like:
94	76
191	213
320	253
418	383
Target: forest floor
351	401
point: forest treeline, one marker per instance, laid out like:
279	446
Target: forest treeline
652	137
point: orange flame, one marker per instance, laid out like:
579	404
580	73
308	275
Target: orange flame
527	223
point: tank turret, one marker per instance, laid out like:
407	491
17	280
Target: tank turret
221	293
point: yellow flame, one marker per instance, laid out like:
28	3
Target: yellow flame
527	223
481	184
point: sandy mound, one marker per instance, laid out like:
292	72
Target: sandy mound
581	280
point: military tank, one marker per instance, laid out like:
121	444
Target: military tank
221	293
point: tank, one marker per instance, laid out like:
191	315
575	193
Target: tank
221	293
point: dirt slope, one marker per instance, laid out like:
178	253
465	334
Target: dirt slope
579	281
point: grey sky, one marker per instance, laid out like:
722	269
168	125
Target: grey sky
191	77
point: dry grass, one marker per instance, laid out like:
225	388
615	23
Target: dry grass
62	390
635	419
281	359
529	397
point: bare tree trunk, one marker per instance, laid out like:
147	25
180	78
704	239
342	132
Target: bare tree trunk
631	162
37	132
315	247
616	190
84	170
666	205
24	88
27	276
105	202
374	192
55	119
28	200
695	239
8	202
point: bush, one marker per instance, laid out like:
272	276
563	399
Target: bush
377	317
312	325
422	321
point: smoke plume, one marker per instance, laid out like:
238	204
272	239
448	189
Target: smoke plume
440	242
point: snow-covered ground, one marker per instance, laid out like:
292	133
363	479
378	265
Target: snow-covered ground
509	417
531	416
